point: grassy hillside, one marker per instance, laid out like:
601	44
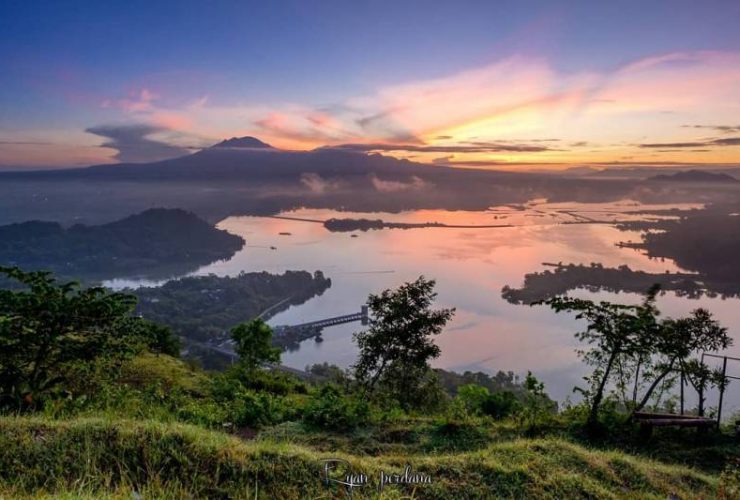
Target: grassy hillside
95	457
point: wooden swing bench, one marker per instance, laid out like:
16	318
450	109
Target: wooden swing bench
649	420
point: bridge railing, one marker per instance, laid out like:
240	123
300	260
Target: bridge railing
336	320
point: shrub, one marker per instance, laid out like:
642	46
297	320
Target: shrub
330	409
501	405
472	397
256	409
275	382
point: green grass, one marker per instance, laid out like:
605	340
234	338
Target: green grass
111	458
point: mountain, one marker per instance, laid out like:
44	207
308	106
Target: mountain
241	159
694	176
242	142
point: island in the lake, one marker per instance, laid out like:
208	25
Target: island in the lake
348	225
594	278
138	245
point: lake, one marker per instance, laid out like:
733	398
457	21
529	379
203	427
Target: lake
470	265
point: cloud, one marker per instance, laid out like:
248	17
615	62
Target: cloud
26	143
137	102
727	141
730	141
443	160
384	125
480	147
133	142
478	163
317	184
663	145
302	126
389	186
367	122
725	129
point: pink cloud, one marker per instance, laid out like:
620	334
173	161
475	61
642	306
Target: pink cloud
303	126
137	102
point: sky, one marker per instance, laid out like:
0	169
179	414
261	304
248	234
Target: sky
490	84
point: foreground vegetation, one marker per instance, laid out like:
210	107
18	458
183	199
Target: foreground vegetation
94	457
96	403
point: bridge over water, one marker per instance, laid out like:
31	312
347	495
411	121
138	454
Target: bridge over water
288	336
336	320
297	333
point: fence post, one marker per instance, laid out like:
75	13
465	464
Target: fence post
722	390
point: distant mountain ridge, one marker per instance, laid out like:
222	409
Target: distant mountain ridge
694	176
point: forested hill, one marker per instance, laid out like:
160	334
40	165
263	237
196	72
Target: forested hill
153	238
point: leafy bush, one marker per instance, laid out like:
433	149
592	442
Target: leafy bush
472	397
274	382
330	409
256	409
245	407
501	405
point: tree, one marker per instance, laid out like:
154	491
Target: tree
614	332
46	327
254	345
701	377
537	404
157	338
396	349
676	341
629	343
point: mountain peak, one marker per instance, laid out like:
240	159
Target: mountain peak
242	142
